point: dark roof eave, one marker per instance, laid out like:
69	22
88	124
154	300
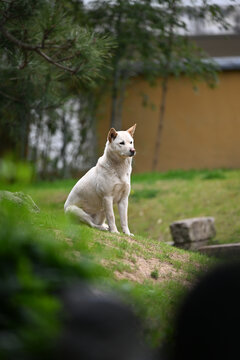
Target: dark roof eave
228	63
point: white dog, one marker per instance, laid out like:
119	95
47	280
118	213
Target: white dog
91	199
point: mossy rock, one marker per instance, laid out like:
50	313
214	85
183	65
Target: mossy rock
20	199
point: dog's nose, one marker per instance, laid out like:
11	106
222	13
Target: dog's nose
132	151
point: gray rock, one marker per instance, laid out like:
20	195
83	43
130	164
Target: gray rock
19	198
225	251
192	230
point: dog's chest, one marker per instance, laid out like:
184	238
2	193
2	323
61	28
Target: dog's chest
121	187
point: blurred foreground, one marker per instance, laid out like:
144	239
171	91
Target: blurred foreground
62	282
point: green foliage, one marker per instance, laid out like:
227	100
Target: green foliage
33	269
149	40
46	59
11	171
32	31
158	324
133	25
53	51
188	59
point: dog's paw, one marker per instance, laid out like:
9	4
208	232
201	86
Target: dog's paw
105	227
128	233
114	231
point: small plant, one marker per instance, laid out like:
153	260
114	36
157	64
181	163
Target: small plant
155	274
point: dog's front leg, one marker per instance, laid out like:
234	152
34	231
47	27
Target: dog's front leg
108	207
123	210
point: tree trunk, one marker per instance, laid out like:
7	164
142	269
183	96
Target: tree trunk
7	142
160	123
114	118
24	136
64	130
120	102
118	95
46	155
164	91
37	140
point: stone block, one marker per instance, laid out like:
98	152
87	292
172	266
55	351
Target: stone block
192	230
225	251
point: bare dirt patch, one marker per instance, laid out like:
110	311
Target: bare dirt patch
143	268
180	257
142	262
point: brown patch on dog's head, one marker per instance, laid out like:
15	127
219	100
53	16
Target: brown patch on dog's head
112	134
131	130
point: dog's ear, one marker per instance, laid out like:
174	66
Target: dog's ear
131	130
112	134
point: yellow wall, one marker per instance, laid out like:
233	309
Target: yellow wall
201	129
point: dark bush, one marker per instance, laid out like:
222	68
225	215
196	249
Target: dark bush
33	270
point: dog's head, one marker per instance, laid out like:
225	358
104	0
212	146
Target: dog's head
122	142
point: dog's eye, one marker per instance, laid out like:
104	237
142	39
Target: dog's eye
122	143
130	142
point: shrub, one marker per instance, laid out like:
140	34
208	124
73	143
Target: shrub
33	270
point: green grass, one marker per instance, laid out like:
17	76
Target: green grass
149	275
160	199
152	275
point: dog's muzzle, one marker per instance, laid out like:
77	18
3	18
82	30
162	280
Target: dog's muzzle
132	152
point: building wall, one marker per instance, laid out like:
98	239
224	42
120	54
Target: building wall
219	45
201	128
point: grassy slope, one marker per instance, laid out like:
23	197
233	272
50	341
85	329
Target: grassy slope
153	274
150	275
159	199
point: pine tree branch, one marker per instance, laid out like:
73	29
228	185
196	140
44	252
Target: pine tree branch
46	34
18	42
25	62
67	58
35	48
51	61
9	97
